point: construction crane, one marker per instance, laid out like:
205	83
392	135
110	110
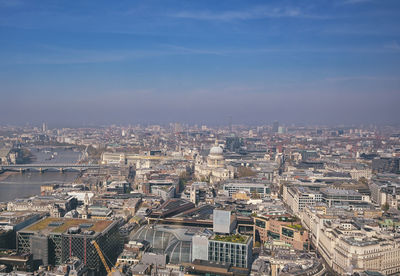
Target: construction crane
103	260
110	272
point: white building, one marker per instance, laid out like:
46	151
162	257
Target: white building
299	197
215	168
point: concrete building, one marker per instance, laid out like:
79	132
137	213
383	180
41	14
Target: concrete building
200	247
54	240
275	126
223	222
198	192
56	206
119	187
297	197
349	248
261	188
165	188
339	197
232	249
283	228
11	222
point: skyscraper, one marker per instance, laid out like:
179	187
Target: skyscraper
275	127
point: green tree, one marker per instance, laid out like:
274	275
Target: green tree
182	184
245	172
363	181
385	207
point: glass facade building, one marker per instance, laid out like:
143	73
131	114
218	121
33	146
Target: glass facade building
260	188
237	254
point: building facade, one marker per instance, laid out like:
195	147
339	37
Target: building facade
235	250
282	228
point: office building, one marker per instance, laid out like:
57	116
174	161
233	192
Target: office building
200	247
263	189
232	249
283	228
299	197
53	241
339	197
275	127
223	222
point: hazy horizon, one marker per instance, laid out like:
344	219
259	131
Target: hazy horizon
199	62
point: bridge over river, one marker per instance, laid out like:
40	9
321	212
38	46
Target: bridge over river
44	167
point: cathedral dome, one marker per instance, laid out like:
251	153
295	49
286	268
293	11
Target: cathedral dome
216	150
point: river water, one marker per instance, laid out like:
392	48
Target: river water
26	184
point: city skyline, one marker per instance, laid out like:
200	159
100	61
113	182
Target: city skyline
93	62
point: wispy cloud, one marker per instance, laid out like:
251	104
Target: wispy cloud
352	2
49	54
289	50
10	3
394	46
249	14
361	78
186	50
59	55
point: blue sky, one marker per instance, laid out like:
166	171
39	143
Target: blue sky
78	62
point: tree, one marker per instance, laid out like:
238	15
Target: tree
385	207
182	184
245	172
183	180
363	181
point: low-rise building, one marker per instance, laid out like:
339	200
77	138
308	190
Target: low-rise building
261	188
283	228
297	197
53	241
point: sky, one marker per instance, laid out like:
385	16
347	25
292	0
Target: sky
199	62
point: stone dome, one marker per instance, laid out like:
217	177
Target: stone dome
217	150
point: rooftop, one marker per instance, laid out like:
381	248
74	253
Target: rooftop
231	238
15	217
295	226
339	192
60	225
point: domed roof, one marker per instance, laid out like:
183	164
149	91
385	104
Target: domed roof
217	150
176	242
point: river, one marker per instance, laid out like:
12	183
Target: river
19	185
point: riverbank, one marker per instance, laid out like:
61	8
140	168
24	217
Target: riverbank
22	185
6	174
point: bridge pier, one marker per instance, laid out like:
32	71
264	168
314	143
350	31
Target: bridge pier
40	170
21	170
61	170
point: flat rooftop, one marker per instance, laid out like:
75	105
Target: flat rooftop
15	217
203	212
339	192
231	238
61	225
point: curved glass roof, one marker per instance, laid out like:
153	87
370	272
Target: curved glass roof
176	242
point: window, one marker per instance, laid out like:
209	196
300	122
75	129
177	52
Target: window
287	232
